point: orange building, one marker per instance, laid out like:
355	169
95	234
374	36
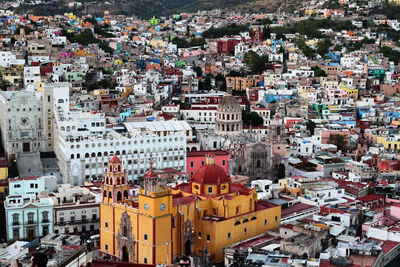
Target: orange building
162	223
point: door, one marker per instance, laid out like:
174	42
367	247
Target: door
188	248
30	233
26	147
125	254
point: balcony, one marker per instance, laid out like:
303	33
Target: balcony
30	222
45	221
15	223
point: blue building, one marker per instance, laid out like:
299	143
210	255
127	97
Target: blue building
361	112
271	97
28	208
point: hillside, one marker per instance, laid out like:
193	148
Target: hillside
147	8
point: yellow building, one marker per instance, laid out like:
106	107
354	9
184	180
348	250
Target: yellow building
392	143
164	223
3	178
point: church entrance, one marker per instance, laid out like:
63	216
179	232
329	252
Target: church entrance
125	254
188	247
26	147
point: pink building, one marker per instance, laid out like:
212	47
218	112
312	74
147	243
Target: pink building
66	55
326	134
195	159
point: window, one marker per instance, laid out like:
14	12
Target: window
265	222
30	217
145	237
210	190
106	224
245	231
191	164
208	238
45	216
15	219
229	235
199	235
276	218
145	260
223	163
106	247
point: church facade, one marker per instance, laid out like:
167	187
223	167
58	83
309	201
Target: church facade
196	218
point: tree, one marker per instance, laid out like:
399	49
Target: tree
255	62
266	34
4	84
323	47
199	71
207	83
310	125
318	72
251	118
339	141
392	54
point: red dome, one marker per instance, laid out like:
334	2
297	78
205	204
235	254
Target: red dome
115	159
150	173
210	174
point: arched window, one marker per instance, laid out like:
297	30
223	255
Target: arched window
253	218
86	155
78	156
109	195
72	156
245	220
99	154
237	223
258	165
126	195
125	231
119	196
105	193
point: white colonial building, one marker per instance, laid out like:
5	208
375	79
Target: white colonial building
84	145
76	210
29	209
26	117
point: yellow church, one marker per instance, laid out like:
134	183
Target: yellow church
202	216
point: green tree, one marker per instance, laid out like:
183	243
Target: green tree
266	34
207	82
199	71
310	125
392	54
318	72
323	47
339	141
255	62
4	84
251	118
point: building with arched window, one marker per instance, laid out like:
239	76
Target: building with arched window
206	214
29	208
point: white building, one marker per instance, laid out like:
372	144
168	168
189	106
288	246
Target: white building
76	210
8	59
31	75
83	146
26	118
29	209
199	115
